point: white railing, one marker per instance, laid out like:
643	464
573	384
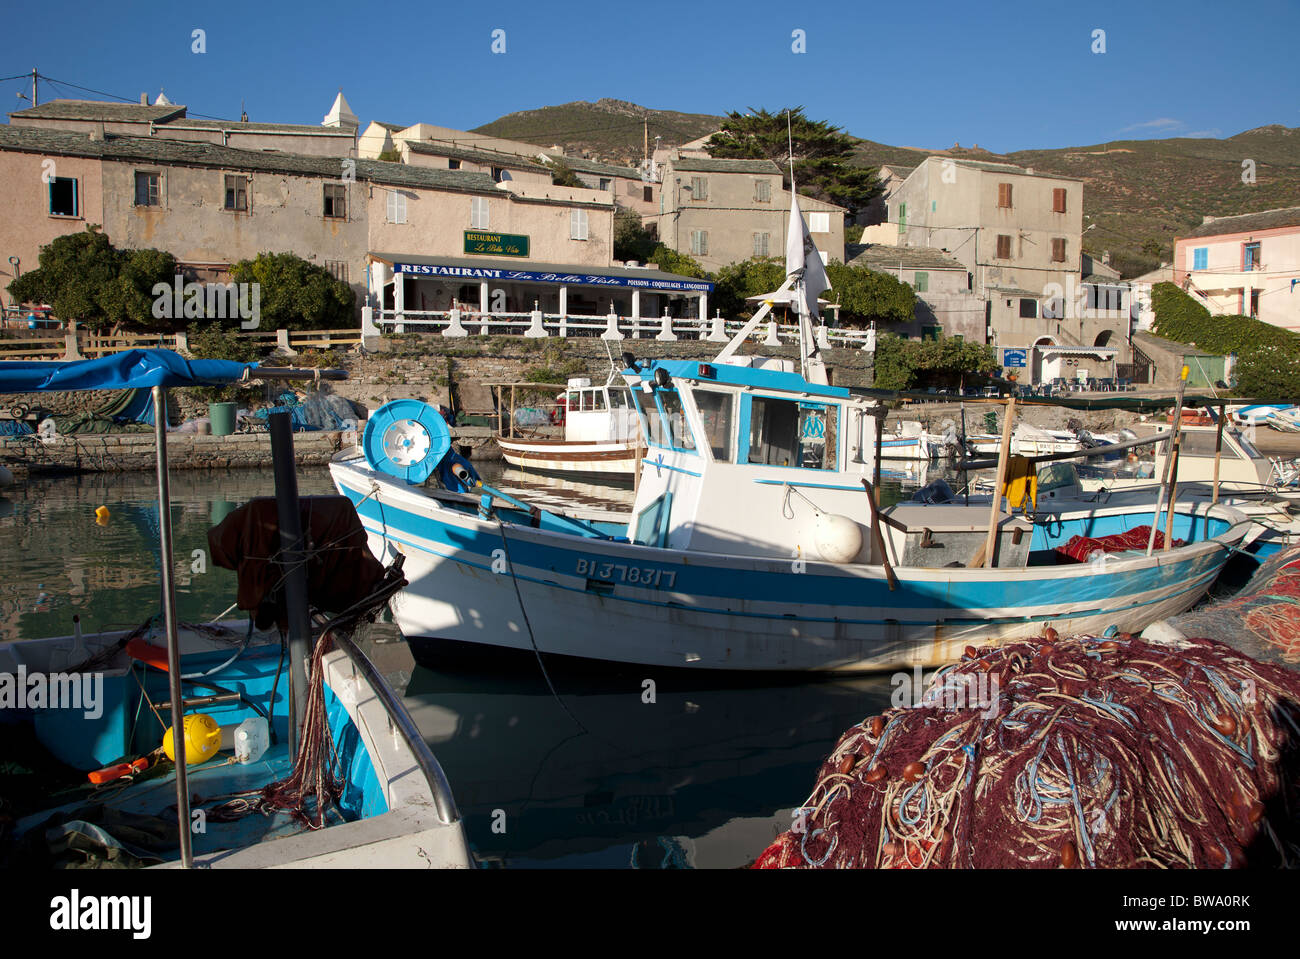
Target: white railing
611	326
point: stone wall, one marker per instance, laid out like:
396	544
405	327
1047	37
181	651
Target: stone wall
126	452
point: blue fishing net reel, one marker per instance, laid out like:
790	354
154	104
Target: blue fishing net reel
410	440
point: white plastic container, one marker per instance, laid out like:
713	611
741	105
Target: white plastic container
251	740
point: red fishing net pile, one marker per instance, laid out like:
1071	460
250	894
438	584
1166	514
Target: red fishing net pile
1081	547
1083	752
1262	620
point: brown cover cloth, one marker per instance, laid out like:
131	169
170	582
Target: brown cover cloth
341	570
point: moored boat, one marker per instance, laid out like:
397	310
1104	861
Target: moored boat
600	434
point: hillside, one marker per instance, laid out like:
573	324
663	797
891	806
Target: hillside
610	130
1140	193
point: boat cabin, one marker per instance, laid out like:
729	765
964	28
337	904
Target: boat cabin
752	460
596	414
1239	460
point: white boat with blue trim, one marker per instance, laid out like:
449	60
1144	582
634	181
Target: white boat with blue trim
752	546
755	541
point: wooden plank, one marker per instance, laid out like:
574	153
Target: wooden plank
1004	451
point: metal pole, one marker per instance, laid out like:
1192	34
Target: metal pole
169	618
293	562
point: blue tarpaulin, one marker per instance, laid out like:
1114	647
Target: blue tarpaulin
138	369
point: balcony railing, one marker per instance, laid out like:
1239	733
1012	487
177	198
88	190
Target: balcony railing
611	326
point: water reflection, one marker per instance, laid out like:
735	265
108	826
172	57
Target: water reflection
57	561
612	772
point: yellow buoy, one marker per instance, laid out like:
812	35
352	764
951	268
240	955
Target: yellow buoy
202	740
101	516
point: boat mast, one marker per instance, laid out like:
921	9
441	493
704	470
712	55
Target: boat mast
179	742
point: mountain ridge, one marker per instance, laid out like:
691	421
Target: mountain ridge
1139	194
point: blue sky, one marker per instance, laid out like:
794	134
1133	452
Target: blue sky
1005	75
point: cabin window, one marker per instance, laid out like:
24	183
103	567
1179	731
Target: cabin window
788	433
1201	443
664	424
716	414
675	431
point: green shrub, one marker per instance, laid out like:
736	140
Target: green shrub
1268	357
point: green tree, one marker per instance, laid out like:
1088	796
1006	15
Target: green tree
868	295
84	278
130	296
822	154
390	156
947	362
562	175
209	340
670	261
632	241
295	294
736	281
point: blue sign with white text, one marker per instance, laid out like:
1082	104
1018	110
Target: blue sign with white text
1014	357
652	280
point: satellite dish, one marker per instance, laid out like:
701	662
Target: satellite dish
407	439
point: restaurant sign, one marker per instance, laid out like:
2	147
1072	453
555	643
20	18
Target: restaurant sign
479	243
653	280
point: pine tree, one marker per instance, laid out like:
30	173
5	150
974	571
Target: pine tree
822	154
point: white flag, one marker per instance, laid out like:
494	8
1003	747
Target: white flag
801	255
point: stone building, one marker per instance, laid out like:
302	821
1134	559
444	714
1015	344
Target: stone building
1245	265
724	211
944	300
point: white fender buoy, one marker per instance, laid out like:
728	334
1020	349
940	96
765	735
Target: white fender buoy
838	538
1163	632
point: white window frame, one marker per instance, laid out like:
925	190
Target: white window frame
395	207
480	213
819	223
577	224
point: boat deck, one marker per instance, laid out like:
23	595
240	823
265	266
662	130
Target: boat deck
150	799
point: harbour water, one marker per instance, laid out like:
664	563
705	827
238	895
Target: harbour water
554	769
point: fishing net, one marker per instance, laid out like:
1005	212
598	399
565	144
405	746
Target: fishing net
1089	752
1263	619
313	784
1082	547
313	787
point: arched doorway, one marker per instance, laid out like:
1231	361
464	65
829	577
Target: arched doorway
1103	338
1036	361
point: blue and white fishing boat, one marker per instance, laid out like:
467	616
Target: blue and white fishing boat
754	542
82	702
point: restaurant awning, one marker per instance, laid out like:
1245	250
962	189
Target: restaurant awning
529	271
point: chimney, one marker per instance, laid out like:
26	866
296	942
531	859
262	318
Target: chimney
144	99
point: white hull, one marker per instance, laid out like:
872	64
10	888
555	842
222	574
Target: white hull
469	577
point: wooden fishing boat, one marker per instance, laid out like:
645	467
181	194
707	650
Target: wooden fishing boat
600	434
